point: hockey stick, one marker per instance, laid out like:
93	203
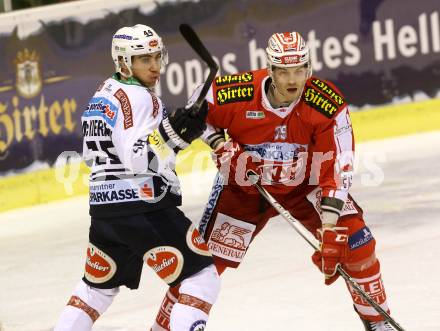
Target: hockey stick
302	231
196	44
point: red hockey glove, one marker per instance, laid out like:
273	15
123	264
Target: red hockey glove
333	252
234	163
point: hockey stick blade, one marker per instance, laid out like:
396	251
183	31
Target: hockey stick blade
196	44
302	231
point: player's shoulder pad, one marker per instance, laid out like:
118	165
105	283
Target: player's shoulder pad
323	96
235	88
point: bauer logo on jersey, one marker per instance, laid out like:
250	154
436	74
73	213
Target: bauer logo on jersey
195	242
235	94
230	238
246	77
99	266
360	238
255	114
104	108
166	261
320	102
328	91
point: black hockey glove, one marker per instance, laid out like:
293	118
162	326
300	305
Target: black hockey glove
183	126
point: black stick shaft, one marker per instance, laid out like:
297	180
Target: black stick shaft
196	44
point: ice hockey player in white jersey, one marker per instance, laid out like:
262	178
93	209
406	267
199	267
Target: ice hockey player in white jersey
131	142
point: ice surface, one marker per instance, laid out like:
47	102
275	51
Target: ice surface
276	288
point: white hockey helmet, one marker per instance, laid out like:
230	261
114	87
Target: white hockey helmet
136	40
287	49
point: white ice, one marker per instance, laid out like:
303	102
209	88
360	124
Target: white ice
276	288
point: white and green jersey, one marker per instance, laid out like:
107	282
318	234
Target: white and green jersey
132	166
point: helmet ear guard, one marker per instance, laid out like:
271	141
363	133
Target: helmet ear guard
136	40
119	67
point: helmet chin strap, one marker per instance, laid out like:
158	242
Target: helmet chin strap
153	88
123	68
310	71
273	89
130	74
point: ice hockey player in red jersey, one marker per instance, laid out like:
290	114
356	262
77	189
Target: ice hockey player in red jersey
294	131
132	142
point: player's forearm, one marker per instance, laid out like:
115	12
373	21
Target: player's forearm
331	210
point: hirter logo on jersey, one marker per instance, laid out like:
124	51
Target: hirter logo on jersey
166	261
322	97
328	91
246	77
99	266
236	93
320	102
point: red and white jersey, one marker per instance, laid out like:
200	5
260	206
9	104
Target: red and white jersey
316	130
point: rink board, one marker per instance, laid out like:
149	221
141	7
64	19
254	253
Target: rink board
378	123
